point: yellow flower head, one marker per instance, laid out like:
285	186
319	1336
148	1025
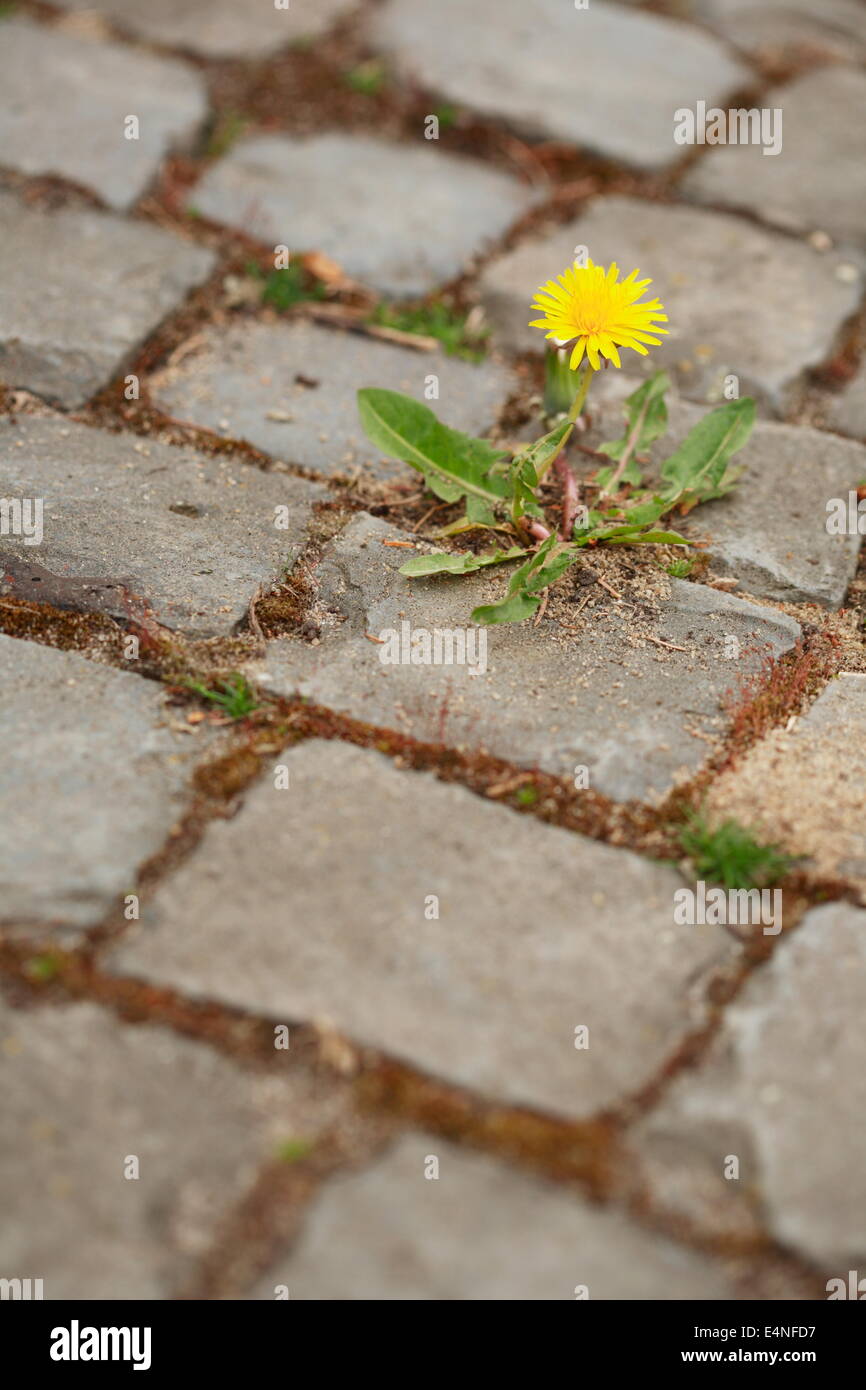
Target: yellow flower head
591	310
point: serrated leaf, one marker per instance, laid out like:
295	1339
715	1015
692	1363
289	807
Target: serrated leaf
455	465
448	563
697	469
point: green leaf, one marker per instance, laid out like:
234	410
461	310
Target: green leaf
455	465
647	417
441	563
630	474
697	470
512	609
646	513
648	538
533	462
553	570
479	511
529	466
526	583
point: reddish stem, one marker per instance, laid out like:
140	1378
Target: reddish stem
570	494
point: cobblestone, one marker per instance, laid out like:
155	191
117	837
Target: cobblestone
132	526
779	1098
814	182
393	1233
484	982
243	381
314	193
91	781
69	323
67	105
86	1098
220	28
637	715
605	78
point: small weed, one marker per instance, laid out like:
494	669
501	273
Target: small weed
293	1150
234	695
527	796
679	569
368	78
284	288
767	697
435	321
227	130
447	116
43	969
729	854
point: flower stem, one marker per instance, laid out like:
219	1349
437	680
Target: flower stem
585	374
584	377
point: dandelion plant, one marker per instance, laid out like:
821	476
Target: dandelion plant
587	314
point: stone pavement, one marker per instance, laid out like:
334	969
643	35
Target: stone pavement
327	976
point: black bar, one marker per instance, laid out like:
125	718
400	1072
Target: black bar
253	1337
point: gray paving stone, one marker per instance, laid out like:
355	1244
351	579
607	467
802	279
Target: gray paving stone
66	102
477	1231
739	299
82	1094
816	181
835	27
242	382
847	411
539	931
126	520
91	782
771	531
220	28
605	77
783	1089
824	751
81	291
636	715
401	218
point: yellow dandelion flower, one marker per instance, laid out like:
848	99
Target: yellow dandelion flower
593	312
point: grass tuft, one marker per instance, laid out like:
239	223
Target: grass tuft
284	288
234	695
439	321
731	855
368	78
